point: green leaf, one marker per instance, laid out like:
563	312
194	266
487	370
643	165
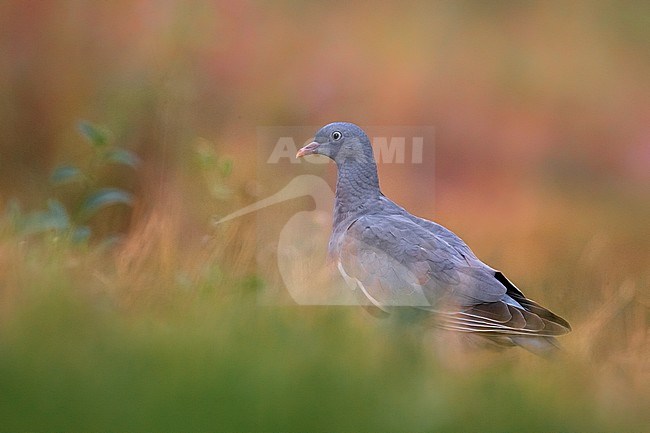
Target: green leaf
57	210
81	234
94	134
102	198
205	153
64	174
225	167
54	218
122	156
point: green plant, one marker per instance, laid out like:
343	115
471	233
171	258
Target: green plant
215	169
88	196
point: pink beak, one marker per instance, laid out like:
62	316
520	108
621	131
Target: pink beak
308	150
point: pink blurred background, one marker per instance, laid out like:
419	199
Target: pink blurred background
538	106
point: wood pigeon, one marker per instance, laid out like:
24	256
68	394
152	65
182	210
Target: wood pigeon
398	260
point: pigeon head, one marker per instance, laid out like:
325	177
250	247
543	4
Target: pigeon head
341	142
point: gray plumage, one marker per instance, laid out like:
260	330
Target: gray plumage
398	260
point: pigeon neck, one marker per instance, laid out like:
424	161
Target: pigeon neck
357	186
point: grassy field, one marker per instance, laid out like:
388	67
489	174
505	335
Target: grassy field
156	335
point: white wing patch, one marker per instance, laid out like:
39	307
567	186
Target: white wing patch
373	300
353	283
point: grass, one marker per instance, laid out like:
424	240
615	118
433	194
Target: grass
156	335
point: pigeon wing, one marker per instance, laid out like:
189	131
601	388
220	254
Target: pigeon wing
398	263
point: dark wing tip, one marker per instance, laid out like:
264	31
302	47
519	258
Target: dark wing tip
499	318
530	305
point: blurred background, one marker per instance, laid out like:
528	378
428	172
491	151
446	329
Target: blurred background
128	127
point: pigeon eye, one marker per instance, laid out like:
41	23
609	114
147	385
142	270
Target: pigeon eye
336	135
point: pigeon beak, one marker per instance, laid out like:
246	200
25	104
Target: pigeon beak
310	149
